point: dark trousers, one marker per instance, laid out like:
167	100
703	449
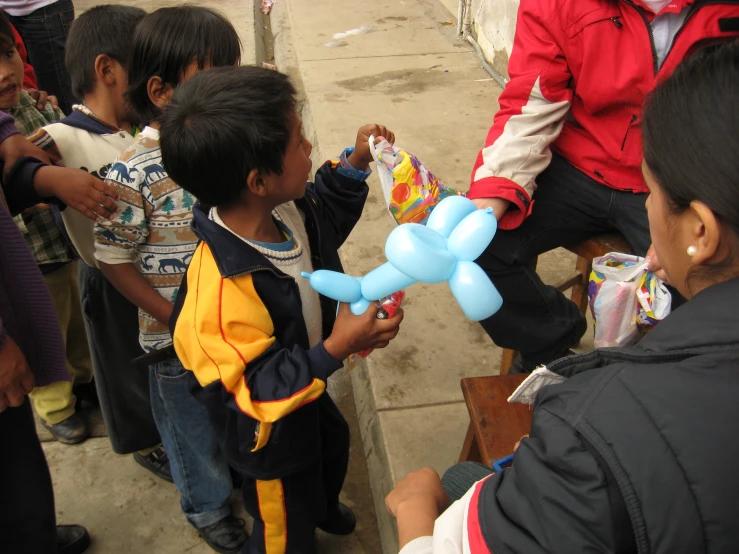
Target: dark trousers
286	511
112	327
44	33
27	518
535	319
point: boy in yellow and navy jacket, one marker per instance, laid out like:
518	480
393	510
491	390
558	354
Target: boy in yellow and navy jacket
259	342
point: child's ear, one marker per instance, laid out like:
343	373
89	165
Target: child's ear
256	184
159	92
104	70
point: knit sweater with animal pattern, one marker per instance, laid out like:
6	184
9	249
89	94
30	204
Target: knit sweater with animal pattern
151	229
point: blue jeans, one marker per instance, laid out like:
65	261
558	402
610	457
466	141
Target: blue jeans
199	468
44	33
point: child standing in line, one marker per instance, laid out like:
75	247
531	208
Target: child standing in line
145	249
56	258
91	138
259	342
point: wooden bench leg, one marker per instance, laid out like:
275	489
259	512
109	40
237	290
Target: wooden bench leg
506	360
470	449
580	289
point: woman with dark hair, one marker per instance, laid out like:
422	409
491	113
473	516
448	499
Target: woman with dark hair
635	450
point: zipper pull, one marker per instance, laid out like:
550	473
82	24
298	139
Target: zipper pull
616	22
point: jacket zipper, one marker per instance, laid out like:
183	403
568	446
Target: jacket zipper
631	122
318	227
257	269
655	60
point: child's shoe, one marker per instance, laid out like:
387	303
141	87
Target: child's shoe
70	431
340	522
226	536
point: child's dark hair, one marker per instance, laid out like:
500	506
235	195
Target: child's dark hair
168	40
100	30
222	124
7	38
691	133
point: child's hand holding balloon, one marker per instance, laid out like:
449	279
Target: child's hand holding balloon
354	333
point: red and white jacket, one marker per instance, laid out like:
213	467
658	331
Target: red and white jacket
579	73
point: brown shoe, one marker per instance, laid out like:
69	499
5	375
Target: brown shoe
69	431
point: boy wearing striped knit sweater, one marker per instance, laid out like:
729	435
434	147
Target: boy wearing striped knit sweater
145	249
258	342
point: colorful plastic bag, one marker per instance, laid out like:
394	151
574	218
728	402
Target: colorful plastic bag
626	300
411	191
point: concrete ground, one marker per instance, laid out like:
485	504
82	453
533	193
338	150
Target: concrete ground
128	510
403	68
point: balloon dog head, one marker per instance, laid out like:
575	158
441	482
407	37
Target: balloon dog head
444	249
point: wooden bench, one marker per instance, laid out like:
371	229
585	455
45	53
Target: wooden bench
577	281
495	425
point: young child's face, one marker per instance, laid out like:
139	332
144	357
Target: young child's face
11	76
296	164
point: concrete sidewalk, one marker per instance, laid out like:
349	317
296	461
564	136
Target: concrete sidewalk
406	70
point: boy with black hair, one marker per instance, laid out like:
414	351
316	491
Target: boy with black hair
145	249
91	138
259	342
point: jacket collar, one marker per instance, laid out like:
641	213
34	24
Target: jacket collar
232	255
82	118
707	323
675	6
710	319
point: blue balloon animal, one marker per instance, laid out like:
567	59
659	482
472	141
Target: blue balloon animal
444	249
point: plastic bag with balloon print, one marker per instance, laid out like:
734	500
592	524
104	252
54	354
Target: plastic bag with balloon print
386	309
626	299
411	190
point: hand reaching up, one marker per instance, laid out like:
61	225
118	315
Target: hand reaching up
361	157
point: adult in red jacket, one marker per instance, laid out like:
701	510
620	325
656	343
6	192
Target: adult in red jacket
569	128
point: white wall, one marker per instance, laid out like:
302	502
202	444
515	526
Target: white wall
493	22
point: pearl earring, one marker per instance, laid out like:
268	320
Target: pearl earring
692	251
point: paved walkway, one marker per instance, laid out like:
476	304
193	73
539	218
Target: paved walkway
407	70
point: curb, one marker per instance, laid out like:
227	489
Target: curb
376	457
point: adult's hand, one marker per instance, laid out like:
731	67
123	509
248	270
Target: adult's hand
498	204
654	265
518	443
416	503
16	379
422	487
77	189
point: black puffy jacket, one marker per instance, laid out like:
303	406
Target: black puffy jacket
658	421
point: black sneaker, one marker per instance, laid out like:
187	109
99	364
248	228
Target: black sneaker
341	522
70	431
157	462
523	365
71	539
226	536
